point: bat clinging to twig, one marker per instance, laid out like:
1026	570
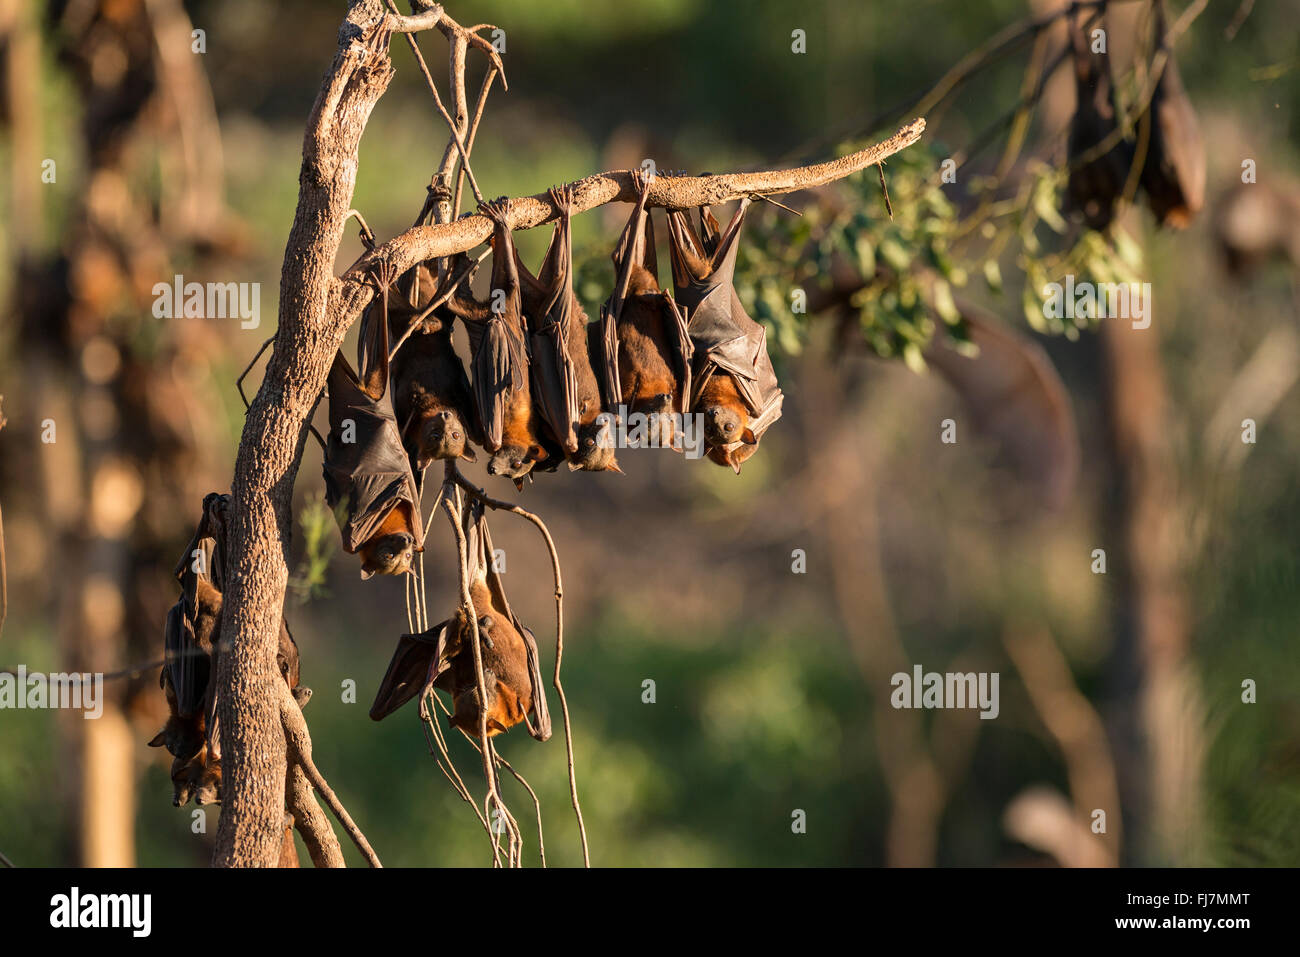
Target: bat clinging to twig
1097	185
564	385
499	363
643	348
733	384
1174	172
368	479
431	393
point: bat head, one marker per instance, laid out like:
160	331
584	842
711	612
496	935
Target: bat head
595	451
443	436
726	424
387	555
198	777
515	461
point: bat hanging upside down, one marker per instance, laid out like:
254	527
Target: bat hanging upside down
733	383
564	385
512	427
443	656
368	479
431	393
642	346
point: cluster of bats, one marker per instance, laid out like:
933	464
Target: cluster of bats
546	384
1172	173
543	389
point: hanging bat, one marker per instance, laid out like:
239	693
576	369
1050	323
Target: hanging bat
1174	172
431	393
564	385
733	384
1097	186
368	479
641	343
192	648
443	658
499	363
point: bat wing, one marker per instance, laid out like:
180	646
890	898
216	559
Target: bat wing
418	661
540	724
554	383
366	477
602	347
680	348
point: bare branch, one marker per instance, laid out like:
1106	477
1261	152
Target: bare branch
668	192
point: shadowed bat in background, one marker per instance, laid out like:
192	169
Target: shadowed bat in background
733	383
1096	186
499	361
368	480
192	650
564	385
1174	172
641	344
431	393
443	658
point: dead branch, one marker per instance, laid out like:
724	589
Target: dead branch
310	820
298	741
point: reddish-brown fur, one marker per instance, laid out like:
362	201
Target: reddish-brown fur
505	669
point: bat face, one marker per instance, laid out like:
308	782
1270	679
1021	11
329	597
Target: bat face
198	777
515	461
441	435
595	452
726	417
387	555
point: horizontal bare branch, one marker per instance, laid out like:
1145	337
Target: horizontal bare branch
668	192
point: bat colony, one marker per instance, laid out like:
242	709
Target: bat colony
543	386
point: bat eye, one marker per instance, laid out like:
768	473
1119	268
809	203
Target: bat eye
590	442
728	426
455	435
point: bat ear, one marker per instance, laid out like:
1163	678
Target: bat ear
469	455
536	453
613	467
366	575
748	437
157	740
